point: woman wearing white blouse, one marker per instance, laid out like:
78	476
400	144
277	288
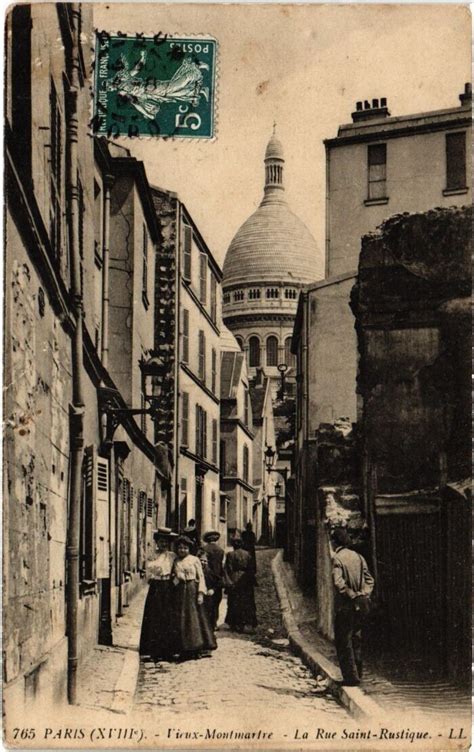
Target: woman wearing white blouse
156	637
192	632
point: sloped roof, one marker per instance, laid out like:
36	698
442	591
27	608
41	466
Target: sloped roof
231	372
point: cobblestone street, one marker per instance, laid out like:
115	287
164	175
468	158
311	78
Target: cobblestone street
249	680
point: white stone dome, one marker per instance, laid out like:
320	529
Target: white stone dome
273	245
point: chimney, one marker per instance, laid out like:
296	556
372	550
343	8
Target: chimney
367	111
466	97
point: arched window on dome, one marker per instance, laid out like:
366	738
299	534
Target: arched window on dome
254	352
290	359
272	351
240	342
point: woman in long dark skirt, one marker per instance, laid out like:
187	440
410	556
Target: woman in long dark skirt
240	582
155	638
193	636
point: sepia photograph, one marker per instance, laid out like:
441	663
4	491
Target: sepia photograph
236	368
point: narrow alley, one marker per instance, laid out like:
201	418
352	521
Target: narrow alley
249	678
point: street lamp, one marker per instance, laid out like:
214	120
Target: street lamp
269	458
111	403
282	367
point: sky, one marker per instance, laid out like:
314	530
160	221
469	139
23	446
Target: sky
303	66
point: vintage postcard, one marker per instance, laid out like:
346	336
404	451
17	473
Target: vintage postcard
236	456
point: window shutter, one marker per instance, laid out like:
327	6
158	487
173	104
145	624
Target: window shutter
214	441
214	371
102	519
198	430
185	353
202	356
87	539
204	433
203	278
213	298
149	507
187	247
185	420
213	508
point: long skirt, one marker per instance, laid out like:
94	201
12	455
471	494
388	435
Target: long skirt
155	638
241	609
192	632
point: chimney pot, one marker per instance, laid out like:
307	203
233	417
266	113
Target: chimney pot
466	97
375	103
383	102
358	106
366	105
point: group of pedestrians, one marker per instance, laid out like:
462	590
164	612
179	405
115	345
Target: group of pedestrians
185	591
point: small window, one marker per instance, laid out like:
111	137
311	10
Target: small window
272	293
254	352
377	170
187	248
254	294
290	294
238	295
223	508
455	160
226	297
202	356
185	353
272	351
203	279
185	420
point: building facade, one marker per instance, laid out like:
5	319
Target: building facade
260	293
82	479
236	440
379	165
192	353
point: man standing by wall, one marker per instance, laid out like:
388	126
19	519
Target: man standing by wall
353	585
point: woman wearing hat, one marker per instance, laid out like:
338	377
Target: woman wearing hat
192	633
155	638
239	583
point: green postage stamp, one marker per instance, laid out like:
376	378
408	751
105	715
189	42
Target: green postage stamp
154	86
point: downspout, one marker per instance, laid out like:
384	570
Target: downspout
77	408
174	495
104	352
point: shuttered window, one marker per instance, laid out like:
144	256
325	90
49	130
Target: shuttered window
185	353
245	463
187	250
201	432
455	160
185	420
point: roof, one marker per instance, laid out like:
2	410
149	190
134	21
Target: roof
258	389
403	125
273	245
231	371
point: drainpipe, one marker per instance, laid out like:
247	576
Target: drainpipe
104	352
177	403
77	407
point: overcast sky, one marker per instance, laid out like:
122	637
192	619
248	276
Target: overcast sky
305	67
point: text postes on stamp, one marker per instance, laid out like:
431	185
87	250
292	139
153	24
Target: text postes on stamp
154	86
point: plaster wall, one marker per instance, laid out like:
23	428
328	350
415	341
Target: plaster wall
416	178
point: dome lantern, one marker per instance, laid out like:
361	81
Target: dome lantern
274	161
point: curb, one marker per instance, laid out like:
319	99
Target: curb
354	699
